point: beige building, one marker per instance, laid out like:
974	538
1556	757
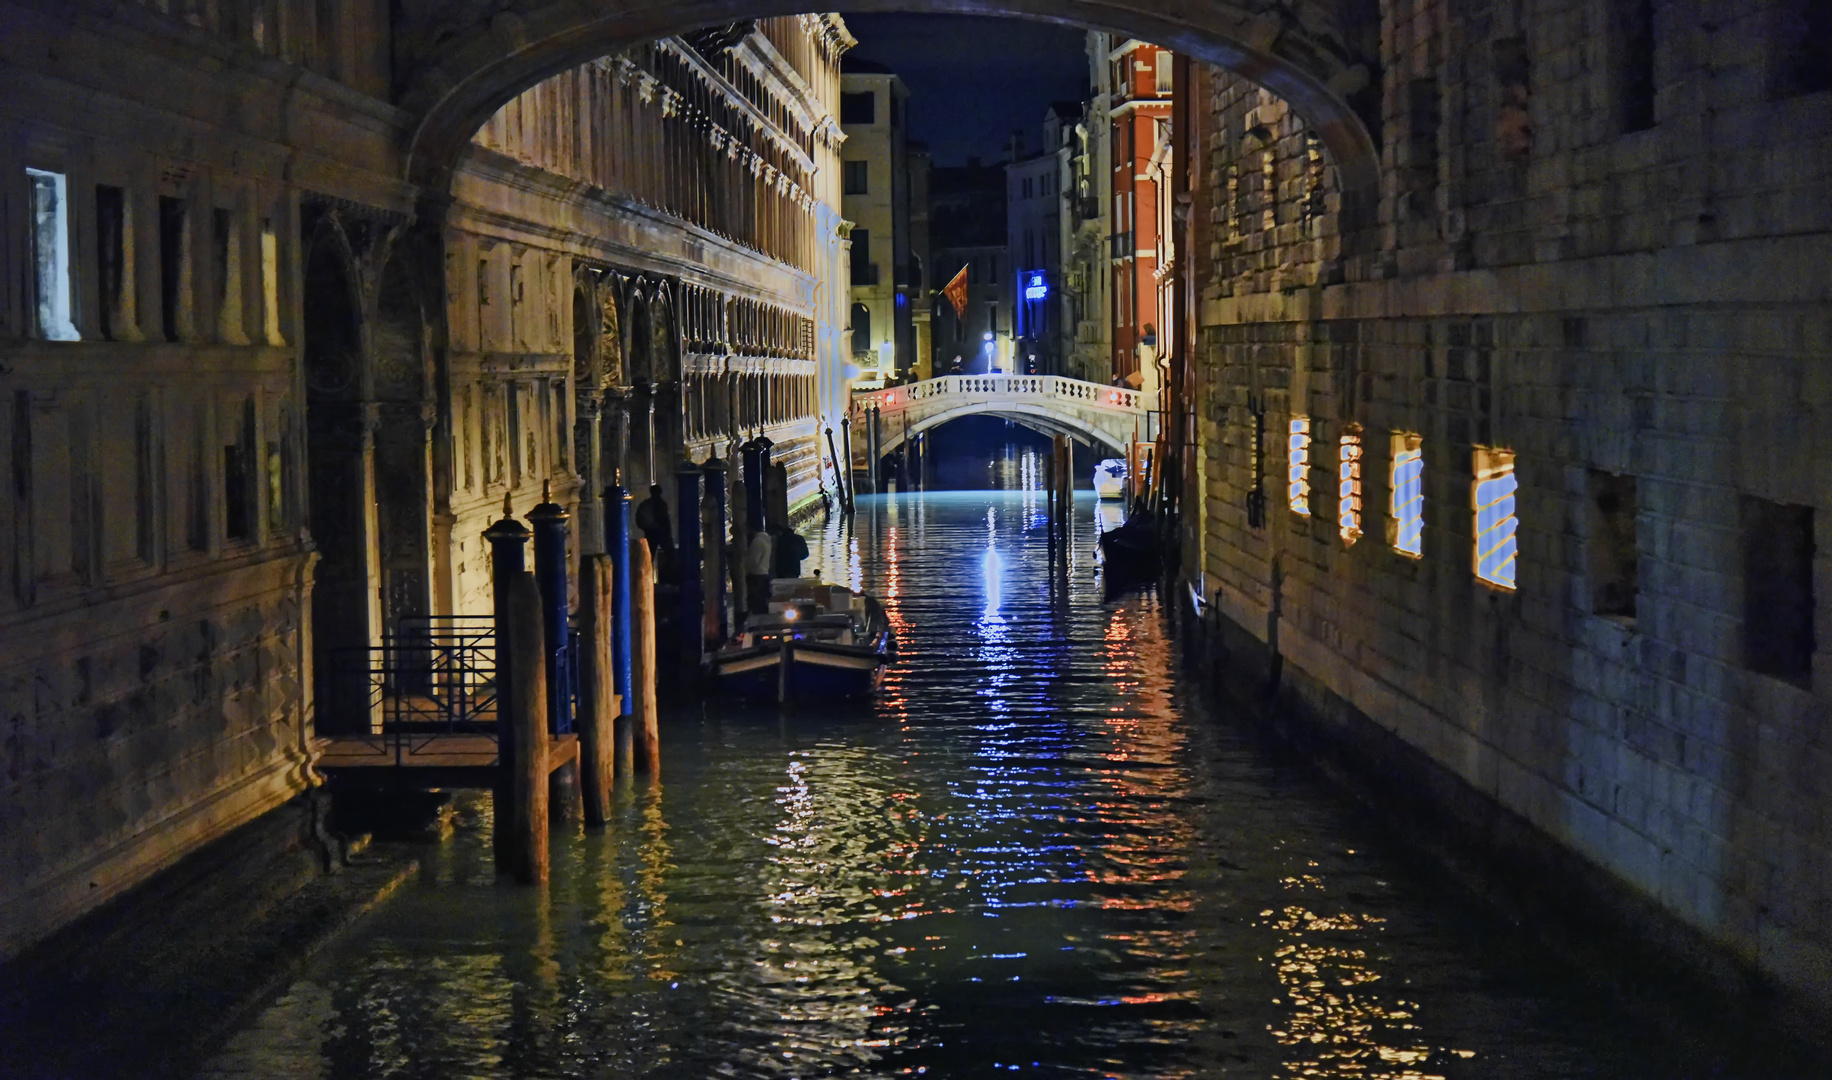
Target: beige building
922	268
876	185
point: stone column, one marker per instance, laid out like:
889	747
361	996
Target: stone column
717	620
690	612
589	455
341	473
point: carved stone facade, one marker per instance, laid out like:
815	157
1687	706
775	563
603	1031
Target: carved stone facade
634	261
261	395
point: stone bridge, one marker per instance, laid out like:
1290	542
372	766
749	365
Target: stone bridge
1089	412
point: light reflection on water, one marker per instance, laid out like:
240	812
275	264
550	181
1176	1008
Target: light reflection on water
1031	854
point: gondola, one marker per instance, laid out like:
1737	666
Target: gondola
817	641
1131	555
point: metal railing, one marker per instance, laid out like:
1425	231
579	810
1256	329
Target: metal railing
433	676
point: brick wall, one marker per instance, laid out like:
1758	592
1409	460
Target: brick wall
1609	294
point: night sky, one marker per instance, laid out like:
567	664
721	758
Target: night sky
972	80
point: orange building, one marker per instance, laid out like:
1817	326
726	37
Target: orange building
1140	77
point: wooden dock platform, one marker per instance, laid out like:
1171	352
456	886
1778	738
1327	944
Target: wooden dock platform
428	761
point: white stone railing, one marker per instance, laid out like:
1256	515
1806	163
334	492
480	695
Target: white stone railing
950	390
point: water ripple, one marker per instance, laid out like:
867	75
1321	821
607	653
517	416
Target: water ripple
1028	856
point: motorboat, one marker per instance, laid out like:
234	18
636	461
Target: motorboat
1110	479
816	641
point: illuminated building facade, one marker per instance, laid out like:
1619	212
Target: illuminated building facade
1139	105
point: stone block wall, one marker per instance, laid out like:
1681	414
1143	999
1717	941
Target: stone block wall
155	571
124	749
1606	249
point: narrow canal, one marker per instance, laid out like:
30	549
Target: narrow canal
1040	852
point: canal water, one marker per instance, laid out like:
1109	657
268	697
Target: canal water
1040	852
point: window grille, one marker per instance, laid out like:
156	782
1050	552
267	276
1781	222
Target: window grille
1298	488
1348	487
1493	495
1406	520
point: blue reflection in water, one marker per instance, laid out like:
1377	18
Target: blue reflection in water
1027	852
991	572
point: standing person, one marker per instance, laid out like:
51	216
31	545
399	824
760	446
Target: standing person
790	550
653	519
759	561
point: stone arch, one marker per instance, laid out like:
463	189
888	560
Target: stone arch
332	344
614	323
401	356
588	340
640	356
664	336
1036	417
459	63
339	425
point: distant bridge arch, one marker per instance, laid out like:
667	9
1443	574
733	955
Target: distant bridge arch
1109	416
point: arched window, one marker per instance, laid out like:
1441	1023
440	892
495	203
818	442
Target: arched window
861	329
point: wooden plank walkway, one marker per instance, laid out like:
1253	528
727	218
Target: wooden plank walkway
427	761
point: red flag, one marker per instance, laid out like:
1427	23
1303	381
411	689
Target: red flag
956	292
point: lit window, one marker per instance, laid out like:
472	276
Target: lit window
1348	487
51	256
1163	72
1406	522
1299	487
1493	493
270	283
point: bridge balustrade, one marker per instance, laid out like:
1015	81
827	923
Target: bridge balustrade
896	399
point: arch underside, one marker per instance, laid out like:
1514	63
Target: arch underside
465	59
1038	419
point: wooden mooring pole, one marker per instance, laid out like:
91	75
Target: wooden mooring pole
598	703
1049	502
648	739
527	710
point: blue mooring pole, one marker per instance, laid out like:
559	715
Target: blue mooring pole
617	545
550	520
714	469
753	486
693	608
764	445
